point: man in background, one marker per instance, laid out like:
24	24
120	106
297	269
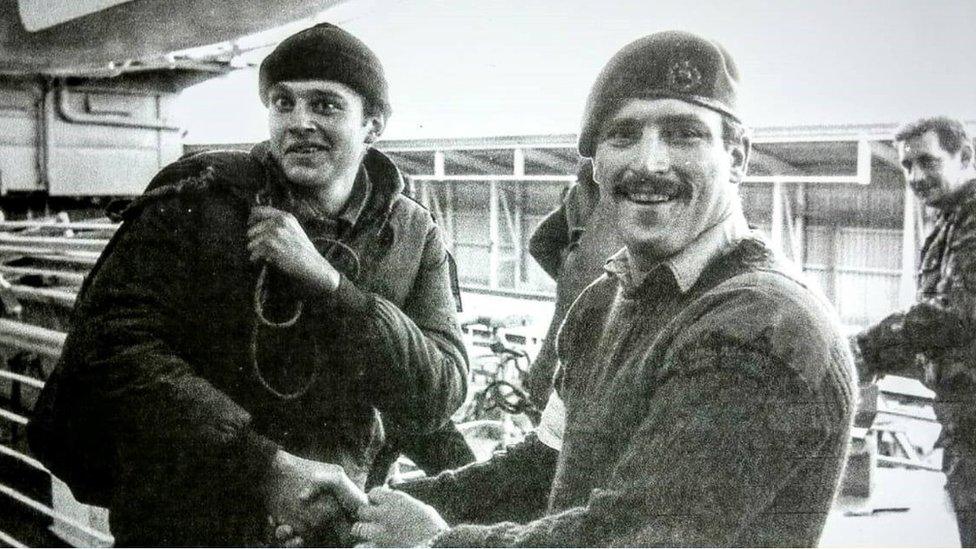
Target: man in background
935	339
572	244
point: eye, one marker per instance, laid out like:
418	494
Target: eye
325	106
281	102
685	133
620	135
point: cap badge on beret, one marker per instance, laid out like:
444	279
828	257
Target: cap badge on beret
683	76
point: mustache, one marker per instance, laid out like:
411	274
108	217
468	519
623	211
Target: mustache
302	143
922	184
631	181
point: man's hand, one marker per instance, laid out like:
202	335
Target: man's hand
274	236
930	327
395	519
309	496
883	348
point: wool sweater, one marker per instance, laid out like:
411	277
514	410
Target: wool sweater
706	403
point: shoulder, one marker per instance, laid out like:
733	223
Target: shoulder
411	218
771	320
233	175
587	315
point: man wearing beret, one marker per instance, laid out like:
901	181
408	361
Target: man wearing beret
705	394
933	340
259	324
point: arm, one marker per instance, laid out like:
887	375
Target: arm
550	238
125	379
713	451
415	365
412	362
512	485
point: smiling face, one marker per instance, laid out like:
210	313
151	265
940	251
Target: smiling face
667	172
937	177
319	133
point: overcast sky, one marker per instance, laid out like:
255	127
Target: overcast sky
470	68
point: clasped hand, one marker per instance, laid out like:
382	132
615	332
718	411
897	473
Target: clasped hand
395	519
276	237
306	497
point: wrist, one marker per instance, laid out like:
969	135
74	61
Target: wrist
321	279
281	463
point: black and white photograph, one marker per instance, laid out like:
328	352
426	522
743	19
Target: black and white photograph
487	273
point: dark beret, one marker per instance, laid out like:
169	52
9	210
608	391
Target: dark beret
671	64
326	52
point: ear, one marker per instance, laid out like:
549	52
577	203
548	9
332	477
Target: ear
966	154
375	124
739	156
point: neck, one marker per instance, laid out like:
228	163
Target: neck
961	196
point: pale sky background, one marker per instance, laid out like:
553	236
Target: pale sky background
474	68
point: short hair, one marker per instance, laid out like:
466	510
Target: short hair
952	133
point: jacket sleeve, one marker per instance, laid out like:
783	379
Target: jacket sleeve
413	359
948	320
125	383
942	327
550	239
513	485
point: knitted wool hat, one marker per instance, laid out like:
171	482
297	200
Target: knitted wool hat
672	64
326	52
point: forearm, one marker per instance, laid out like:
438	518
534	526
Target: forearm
413	367
513	485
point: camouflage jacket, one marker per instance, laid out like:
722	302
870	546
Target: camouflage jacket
942	322
935	335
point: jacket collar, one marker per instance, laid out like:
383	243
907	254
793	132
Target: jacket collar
686	266
377	185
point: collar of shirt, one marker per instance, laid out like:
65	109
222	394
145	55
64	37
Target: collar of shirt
346	219
965	204
687	265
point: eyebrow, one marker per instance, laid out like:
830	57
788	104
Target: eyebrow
667	120
307	93
920	158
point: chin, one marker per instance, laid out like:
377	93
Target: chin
303	177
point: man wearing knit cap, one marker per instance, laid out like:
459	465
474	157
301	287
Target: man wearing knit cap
260	325
705	394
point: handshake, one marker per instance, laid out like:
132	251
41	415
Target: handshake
315	503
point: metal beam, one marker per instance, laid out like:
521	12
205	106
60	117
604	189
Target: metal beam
44	295
77	226
70	277
486	178
31	338
552	160
408	165
482	165
775	164
44	509
54	243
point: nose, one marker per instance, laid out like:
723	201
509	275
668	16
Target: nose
300	119
652	156
914	174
